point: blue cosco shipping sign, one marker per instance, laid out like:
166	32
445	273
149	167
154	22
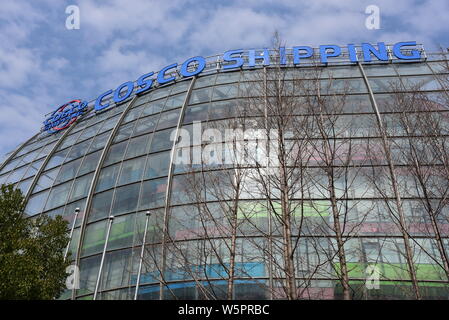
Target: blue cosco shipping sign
63	116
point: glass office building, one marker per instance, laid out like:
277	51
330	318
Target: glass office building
149	227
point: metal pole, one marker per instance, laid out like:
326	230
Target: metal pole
148	214
111	219
77	211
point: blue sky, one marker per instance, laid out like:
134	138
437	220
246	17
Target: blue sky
43	64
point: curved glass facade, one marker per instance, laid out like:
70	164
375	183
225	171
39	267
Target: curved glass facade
345	188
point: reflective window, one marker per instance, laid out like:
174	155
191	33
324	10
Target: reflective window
133	114
223	109
57	159
157	165
153	194
90	162
46	179
146	125
33	168
36	203
126	199
138	146
124	132
161	140
94	239
101	205
153	107
200	95
99	141
204	81
68	171
58	195
196	113
115	153
168	119
175	101
225	92
107	177
227	77
24	185
81	187
122	232
132	170
78	150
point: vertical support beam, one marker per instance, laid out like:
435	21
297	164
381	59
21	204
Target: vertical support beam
77	211
270	227
142	250
169	186
94	182
100	270
386	147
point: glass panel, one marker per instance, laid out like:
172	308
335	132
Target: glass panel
115	153
58	196
175	101
81	187
24	185
33	168
99	141
109	123
78	150
146	125
196	113
56	159
133	114
124	132
168	119
160	92
94	238
17	174
228	77
180	87
132	170
69	140
157	165
200	95
161	140
46	179
223	109
117	267
126	199
122	232
68	171
88	275
107	177
36	203
138	146
154	107
89	163
412	68
91	131
101	204
204	81
153	194
225	92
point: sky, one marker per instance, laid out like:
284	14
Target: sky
43	64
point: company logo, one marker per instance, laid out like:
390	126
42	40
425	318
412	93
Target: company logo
65	115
